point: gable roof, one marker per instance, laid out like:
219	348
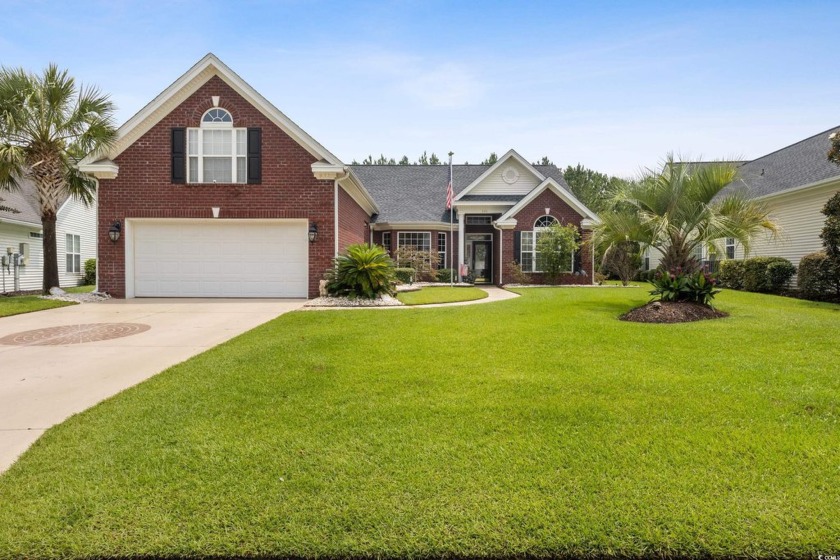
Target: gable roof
179	91
511	154
802	164
24	199
417	193
563	192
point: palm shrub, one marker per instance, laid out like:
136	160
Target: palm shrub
364	271
680	208
681	286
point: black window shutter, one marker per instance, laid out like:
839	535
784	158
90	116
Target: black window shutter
254	156
517	245
179	155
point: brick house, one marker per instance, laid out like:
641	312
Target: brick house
211	191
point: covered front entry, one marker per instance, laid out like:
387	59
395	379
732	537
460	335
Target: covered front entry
480	257
217	258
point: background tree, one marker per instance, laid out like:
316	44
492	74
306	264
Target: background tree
834	152
591	187
544	161
404	161
46	125
556	246
680	208
491	159
423	159
434	160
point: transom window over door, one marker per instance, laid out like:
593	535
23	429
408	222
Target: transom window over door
217	152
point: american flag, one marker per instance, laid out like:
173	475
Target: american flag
449	190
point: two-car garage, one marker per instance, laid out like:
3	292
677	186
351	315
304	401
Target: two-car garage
238	258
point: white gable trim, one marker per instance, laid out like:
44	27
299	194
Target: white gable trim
557	189
493	168
183	88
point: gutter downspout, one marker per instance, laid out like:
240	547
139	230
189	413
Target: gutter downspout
335	209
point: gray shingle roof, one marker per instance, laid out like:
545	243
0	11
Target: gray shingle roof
417	193
25	201
799	164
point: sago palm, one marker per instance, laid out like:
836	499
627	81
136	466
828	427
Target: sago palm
46	125
680	208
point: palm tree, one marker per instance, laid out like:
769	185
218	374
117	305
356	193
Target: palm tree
46	126
680	208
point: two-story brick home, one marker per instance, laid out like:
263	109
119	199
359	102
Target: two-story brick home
211	191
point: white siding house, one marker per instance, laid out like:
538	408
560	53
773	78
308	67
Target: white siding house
21	232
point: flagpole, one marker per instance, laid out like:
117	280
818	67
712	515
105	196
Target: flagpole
451	239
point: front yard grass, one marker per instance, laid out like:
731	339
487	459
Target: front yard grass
539	426
80	289
441	294
15	305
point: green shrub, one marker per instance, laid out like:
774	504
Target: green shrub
756	277
446	275
779	274
404	275
731	274
90	272
817	278
514	272
694	287
363	271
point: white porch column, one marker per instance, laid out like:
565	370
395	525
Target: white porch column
460	244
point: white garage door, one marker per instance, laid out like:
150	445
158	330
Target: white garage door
220	258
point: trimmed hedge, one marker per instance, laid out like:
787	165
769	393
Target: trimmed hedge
90	272
445	275
817	278
758	274
405	275
731	274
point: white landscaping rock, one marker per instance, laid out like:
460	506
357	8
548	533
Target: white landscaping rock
382	301
90	297
56	291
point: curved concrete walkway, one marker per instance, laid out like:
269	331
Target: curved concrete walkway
494	293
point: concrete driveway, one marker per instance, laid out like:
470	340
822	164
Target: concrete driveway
47	376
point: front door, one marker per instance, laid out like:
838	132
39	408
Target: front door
482	262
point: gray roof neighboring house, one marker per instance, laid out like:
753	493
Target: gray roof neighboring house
417	193
25	200
797	165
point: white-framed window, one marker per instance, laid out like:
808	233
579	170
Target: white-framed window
216	151
529	257
730	247
73	253
441	248
698	253
386	241
36	234
647	258
479	220
420	240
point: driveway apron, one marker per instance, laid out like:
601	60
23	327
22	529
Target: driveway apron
56	363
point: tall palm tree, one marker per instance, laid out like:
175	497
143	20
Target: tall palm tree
46	125
680	208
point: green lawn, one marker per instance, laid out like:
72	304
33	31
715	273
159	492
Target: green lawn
80	289
441	294
16	305
541	425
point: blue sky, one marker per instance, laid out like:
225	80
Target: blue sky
613	85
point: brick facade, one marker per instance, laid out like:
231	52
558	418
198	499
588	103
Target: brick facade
565	215
288	190
353	222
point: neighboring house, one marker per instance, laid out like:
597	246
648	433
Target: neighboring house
22	233
795	182
216	193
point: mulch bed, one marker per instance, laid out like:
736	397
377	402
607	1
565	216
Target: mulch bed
672	312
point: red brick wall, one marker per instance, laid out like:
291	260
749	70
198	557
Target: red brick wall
143	187
353	222
565	215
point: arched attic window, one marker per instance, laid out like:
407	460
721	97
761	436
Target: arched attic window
216	151
544	222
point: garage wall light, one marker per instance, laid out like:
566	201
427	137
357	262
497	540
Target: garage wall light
114	231
313	232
